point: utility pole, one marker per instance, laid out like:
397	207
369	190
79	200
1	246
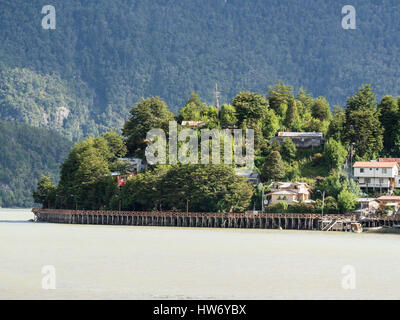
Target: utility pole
217	96
262	200
323	202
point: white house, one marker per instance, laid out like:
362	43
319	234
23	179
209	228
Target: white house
377	175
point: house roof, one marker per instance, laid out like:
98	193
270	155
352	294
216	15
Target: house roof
389	160
301	134
374	164
192	123
290	185
282	192
366	199
389	198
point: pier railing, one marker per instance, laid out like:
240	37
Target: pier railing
301	221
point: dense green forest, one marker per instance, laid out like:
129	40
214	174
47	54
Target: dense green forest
104	56
371	127
26	153
83	77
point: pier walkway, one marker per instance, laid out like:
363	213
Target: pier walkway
183	219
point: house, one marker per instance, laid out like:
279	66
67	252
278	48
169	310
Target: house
133	167
253	178
135	164
368	205
386	202
301	139
374	174
289	192
193	124
122	179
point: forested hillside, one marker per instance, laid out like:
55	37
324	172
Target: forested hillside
104	55
26	153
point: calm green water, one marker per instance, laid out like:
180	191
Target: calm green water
117	262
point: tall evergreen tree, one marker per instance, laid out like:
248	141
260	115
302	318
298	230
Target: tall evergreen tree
274	168
389	116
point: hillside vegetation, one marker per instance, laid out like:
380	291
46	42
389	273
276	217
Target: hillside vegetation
104	56
26	153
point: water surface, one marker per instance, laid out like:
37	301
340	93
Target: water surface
128	262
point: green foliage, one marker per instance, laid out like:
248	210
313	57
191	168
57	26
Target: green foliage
347	201
274	168
388	111
45	192
105	55
288	150
337	182
321	109
201	188
249	106
270	124
228	115
335	154
148	114
364	130
336	125
25	154
85	180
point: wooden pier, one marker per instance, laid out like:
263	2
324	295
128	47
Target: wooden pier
206	220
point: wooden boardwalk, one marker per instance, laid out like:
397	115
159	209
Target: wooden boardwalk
180	219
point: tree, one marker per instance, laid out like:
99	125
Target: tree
291	114
347	201
336	125
388	111
151	113
363	99
274	168
363	128
335	153
45	192
336	182
192	110
212	188
270	124
84	175
115	143
321	109
250	106
228	115
288	150
279	95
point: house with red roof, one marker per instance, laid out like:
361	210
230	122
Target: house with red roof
381	175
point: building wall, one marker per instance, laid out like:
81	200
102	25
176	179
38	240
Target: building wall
376	172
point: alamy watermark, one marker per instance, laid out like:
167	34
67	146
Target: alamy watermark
49	278
349	20
49	20
183	147
349	278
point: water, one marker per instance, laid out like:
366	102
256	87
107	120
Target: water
126	262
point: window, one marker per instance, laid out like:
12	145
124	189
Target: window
381	180
367	180
384	171
362	170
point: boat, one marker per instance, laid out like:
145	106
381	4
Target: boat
372	228
356	227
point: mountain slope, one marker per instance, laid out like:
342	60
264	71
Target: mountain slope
105	55
25	153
